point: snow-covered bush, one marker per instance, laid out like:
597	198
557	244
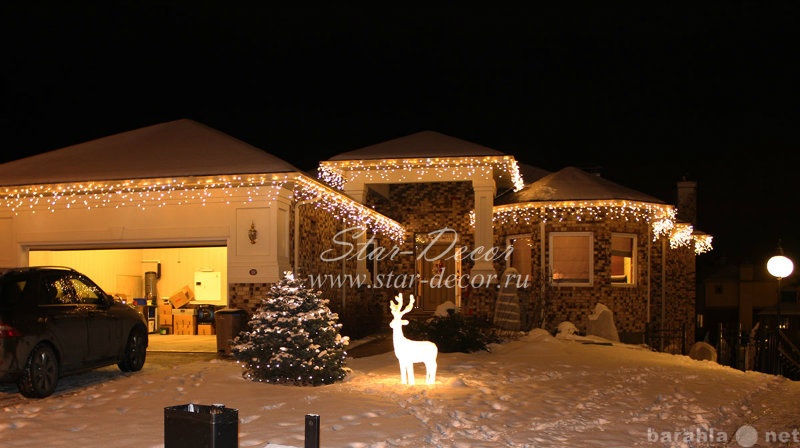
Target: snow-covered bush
292	338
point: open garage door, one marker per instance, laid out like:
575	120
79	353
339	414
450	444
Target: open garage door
124	271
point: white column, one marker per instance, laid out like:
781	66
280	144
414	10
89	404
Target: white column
484	231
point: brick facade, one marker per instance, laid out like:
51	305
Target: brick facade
426	207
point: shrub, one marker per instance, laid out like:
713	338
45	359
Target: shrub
452	333
363	320
292	338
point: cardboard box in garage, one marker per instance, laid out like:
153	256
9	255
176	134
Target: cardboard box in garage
182	297
164	314
205	329
184	323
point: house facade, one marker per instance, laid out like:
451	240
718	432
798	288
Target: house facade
426	214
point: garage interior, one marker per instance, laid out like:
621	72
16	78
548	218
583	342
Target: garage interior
179	289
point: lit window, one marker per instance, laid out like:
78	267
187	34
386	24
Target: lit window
571	258
520	254
623	264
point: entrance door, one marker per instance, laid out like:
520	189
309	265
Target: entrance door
438	269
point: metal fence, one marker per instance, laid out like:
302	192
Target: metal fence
733	346
775	353
768	349
666	339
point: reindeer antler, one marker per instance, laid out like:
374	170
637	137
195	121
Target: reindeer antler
395	307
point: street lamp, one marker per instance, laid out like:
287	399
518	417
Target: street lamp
779	267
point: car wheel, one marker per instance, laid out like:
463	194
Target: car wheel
40	375
135	352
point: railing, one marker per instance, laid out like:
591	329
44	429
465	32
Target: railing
777	354
666	339
732	346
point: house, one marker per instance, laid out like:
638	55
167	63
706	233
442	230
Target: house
426	214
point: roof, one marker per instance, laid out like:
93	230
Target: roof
424	144
531	173
172	149
574	184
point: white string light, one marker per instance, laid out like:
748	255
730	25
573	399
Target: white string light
149	193
661	217
334	173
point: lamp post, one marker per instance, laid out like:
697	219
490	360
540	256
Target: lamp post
779	267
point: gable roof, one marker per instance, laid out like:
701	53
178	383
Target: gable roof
574	184
426	150
172	149
531	173
422	144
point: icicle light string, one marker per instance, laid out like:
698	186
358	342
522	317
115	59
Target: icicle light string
143	193
156	193
660	217
334	173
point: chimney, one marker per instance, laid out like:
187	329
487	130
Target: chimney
687	201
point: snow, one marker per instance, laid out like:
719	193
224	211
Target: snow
601	323
172	149
533	391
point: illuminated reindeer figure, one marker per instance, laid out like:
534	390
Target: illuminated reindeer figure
407	351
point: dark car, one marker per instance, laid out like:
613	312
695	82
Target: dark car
55	321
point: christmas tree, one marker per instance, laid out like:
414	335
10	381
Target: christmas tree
292	338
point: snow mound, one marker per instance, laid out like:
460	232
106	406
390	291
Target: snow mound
601	323
566	328
537	335
441	310
703	351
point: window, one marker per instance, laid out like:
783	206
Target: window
70	290
520	254
63	292
11	292
571	258
85	293
623	264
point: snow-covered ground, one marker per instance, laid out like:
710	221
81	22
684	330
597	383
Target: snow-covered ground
537	391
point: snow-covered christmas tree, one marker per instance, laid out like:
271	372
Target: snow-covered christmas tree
292	338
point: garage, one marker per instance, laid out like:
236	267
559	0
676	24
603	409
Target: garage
148	276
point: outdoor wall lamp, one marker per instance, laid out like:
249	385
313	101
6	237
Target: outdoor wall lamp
252	233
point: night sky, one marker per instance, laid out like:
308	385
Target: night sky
646	96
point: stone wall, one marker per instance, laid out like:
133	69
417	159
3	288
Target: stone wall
633	305
424	208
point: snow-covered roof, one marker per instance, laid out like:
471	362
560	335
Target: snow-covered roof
426	151
172	149
574	184
531	173
419	145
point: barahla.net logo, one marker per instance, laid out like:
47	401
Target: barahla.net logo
445	240
746	436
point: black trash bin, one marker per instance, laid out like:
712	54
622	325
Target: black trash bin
200	425
229	323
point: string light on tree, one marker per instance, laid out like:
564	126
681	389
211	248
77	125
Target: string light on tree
292	338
